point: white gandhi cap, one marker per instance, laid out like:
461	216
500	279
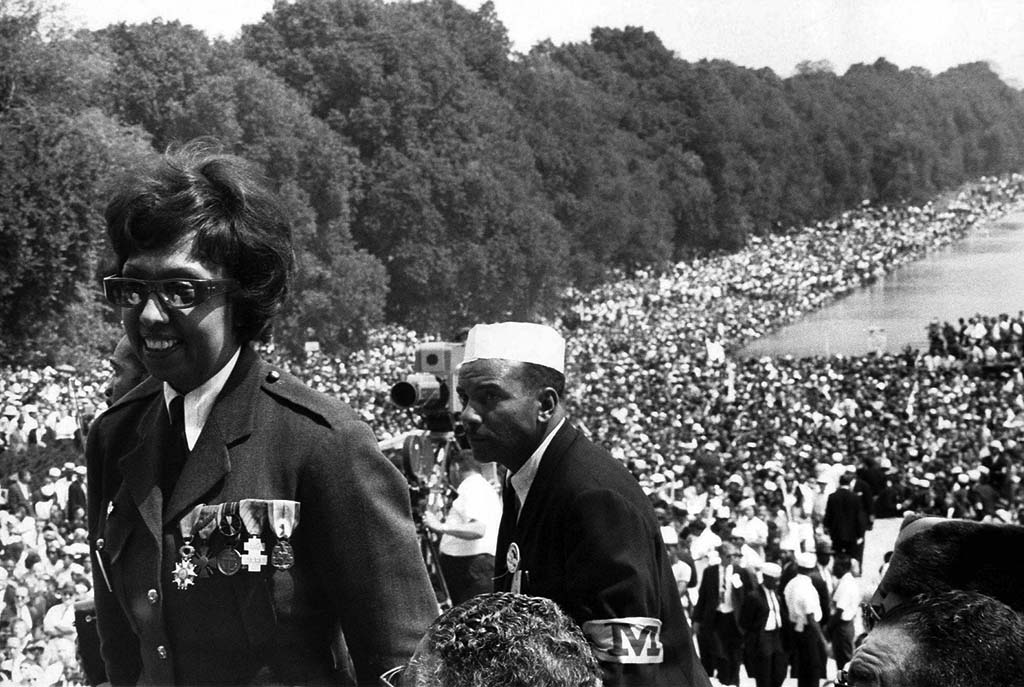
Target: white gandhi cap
523	342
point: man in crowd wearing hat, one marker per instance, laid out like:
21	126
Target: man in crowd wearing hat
76	493
805	613
716	617
764	653
44	499
576	527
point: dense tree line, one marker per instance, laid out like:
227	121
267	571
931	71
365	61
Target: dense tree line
434	177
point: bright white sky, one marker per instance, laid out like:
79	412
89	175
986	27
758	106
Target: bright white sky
934	34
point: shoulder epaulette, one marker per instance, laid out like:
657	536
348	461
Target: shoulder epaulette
289	389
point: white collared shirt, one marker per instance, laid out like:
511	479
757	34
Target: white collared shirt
802	601
199	401
847	597
522	480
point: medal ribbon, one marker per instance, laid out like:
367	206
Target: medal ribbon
254	514
188	522
284	517
206	523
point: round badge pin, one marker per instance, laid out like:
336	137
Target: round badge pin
512	557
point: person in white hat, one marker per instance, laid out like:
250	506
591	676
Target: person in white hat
576	527
805	613
762	618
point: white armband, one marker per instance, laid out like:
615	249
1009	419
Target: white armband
625	640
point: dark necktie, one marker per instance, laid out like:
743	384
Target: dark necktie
176	452
509	500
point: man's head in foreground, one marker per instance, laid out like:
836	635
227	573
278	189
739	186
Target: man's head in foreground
506	639
953	639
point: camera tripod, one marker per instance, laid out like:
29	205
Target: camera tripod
426	458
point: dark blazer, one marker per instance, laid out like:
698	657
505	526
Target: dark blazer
845	517
589	540
357	559
707	595
753	618
76	497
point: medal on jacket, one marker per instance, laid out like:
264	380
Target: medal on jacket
204	527
284	518
254	514
184	574
229	561
185	570
512	560
254	559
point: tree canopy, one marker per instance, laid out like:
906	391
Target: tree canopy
435	178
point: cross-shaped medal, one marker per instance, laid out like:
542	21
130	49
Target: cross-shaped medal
254	559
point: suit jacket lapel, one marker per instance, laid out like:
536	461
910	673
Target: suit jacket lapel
545	472
141	465
509	529
230	421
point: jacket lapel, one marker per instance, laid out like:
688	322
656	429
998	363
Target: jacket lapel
141	465
548	467
230	421
509	529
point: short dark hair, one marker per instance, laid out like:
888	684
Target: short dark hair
238	221
537	377
513	640
961	639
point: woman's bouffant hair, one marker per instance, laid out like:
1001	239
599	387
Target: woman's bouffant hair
238	222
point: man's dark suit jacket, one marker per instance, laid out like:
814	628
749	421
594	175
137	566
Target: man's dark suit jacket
357	560
589	540
707	595
753	618
845	517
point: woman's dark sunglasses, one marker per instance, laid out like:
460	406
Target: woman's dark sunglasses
173	293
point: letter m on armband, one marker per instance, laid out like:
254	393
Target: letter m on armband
625	640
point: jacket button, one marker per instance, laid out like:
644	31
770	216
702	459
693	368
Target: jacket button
153	596
273	376
161	651
99	544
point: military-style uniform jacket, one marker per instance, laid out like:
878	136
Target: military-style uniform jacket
588	539
357	566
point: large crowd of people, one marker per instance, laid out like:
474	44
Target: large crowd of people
711	438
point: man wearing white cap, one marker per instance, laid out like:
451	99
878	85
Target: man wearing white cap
761	618
576	527
804	608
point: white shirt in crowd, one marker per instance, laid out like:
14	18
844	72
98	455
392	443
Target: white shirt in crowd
847	597
477	501
801	601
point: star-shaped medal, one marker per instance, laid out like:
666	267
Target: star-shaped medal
184	574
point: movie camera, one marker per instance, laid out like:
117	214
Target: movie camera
427	453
